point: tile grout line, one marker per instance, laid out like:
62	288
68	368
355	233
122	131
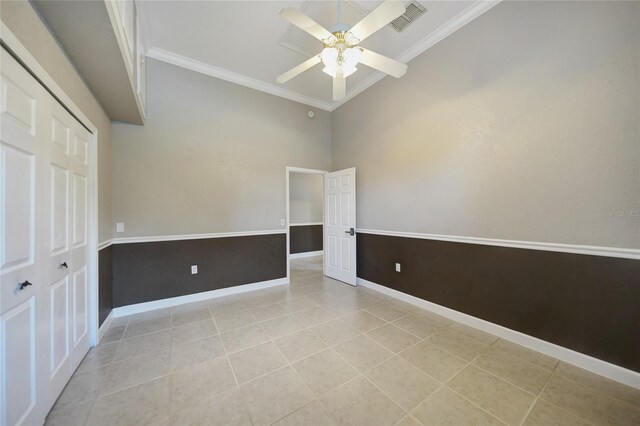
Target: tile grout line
594	389
444	384
535	401
329	347
282	302
224	348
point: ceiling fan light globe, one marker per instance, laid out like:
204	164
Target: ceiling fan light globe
329	57
352	56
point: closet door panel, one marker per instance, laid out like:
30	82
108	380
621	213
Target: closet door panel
79	211
80	307
60	199
19	97
18	397
79	166
59	209
58	323
21	279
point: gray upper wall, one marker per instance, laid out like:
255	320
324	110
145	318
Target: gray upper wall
522	125
211	156
26	25
306	198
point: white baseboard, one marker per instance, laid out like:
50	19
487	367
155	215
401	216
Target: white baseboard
603	368
105	326
196	297
306	254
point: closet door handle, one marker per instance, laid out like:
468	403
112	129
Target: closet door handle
21	286
64	265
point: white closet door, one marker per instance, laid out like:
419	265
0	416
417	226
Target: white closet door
59	194
20	216
68	256
45	193
78	240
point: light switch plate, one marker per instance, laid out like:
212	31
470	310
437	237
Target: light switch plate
194	269
397	267
281	222
119	226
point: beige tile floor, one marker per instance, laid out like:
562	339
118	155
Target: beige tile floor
319	352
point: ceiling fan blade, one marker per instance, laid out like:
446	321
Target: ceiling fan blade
378	18
299	69
382	63
305	23
339	87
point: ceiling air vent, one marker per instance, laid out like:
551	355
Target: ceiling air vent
413	11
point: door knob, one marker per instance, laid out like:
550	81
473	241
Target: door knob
351	231
64	265
21	286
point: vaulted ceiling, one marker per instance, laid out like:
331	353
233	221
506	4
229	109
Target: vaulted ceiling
248	43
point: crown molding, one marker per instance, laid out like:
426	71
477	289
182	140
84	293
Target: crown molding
454	24
252	83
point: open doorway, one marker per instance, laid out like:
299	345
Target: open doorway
305	221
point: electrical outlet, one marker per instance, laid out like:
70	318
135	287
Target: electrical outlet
397	267
194	269
120	227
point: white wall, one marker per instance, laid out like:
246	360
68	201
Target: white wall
211	156
306	198
523	125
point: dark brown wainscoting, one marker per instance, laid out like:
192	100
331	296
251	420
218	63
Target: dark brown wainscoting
305	238
105	283
143	272
582	302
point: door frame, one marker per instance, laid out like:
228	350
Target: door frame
288	171
22	54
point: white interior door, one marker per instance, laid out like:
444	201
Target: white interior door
21	281
44	252
66	151
340	225
59	198
78	243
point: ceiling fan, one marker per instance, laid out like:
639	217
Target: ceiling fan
341	51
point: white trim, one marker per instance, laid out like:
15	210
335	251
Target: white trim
196	297
626	253
287	172
603	368
453	25
307	171
123	44
306	254
157	238
105	326
105	244
223	74
306	224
